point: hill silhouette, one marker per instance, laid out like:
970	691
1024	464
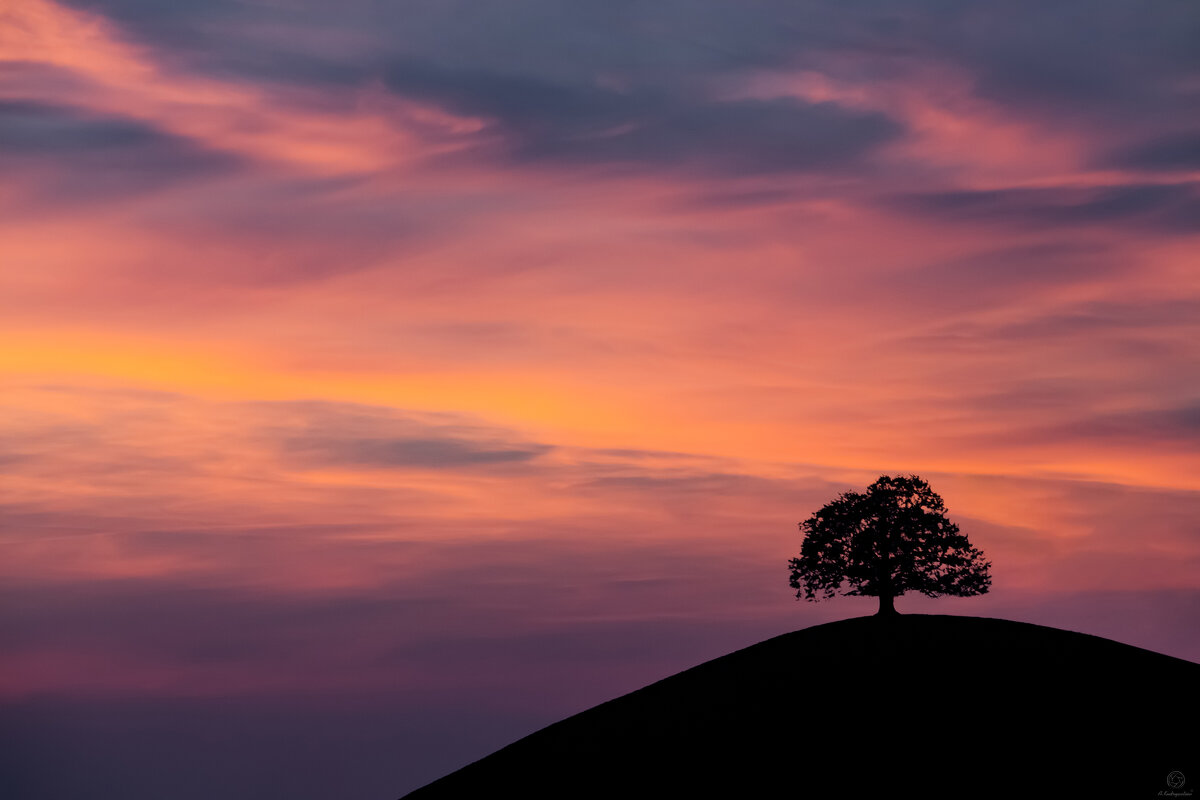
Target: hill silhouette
874	707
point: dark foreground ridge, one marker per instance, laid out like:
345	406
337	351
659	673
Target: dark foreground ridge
933	705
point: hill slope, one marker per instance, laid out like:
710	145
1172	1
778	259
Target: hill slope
937	705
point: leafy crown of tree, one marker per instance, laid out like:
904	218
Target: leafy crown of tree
891	539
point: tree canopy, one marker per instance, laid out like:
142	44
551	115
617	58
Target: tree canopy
890	539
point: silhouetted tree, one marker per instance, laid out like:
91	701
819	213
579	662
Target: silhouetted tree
886	541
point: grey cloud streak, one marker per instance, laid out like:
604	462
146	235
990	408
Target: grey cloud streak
106	156
1163	208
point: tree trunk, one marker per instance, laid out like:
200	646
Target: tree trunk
887	605
887	596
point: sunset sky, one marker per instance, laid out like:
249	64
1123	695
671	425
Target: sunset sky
383	381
